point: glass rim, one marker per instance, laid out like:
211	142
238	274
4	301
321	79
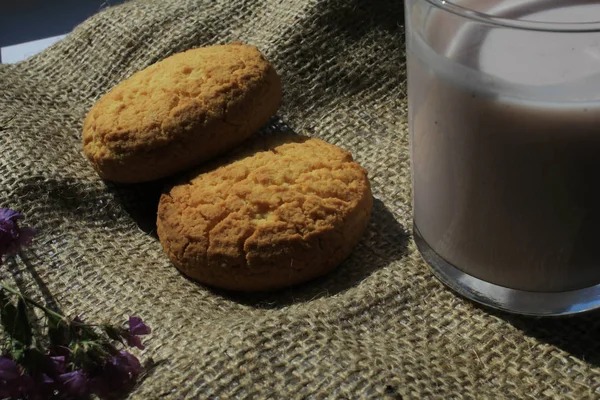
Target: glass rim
558	27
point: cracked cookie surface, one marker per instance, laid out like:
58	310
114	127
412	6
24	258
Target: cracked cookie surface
181	111
280	210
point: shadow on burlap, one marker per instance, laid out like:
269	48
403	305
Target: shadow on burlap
380	326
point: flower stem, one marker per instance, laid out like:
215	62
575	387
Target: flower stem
37	304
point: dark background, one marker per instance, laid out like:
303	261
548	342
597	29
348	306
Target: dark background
27	20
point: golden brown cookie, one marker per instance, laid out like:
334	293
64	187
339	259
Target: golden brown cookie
179	112
279	210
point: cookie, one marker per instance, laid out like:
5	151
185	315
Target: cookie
179	112
280	210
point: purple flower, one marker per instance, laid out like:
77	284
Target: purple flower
13	237
26	386
119	374
130	362
138	327
45	379
125	364
13	384
58	362
75	383
9	371
40	387
135	341
10	378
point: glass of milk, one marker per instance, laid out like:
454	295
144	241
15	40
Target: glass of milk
504	119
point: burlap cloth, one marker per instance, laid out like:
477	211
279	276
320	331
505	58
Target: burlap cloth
380	326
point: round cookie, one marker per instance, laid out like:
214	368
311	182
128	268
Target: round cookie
179	112
280	210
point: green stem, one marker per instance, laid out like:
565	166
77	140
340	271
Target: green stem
38	305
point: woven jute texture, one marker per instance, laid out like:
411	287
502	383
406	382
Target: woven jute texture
380	326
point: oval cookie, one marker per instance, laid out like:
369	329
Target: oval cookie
179	112
281	210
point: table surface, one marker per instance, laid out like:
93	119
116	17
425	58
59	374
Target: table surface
380	326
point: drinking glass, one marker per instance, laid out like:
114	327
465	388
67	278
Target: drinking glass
504	121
